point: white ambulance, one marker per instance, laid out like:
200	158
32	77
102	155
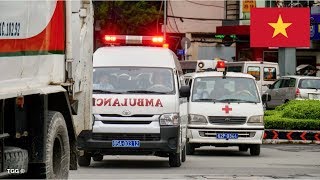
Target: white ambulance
225	109
139	103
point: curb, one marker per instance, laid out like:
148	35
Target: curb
273	136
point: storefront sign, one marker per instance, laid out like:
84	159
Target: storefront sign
247	5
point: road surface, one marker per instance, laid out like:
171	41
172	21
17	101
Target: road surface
275	162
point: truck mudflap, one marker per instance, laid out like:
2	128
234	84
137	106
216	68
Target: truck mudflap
165	142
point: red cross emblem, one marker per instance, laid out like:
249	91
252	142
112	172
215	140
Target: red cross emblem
226	109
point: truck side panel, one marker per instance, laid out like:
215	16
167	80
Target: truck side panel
31	49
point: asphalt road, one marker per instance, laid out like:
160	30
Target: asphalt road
274	162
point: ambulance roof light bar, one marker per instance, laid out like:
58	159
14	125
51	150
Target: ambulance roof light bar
134	40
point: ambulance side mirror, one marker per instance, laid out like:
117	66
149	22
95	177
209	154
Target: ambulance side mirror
184	91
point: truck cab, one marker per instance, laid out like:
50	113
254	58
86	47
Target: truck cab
224	109
139	104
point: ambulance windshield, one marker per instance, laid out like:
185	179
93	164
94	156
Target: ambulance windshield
231	89
133	80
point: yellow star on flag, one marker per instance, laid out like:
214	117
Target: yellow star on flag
280	27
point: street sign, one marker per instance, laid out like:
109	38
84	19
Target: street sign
180	52
315	27
185	43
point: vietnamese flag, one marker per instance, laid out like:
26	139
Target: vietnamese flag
280	27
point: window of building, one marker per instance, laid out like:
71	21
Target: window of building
289	3
270	56
254	71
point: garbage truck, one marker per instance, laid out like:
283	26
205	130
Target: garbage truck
46	50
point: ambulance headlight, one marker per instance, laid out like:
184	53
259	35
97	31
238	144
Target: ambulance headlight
197	119
169	119
255	120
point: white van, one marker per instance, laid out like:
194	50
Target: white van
264	72
225	109
139	105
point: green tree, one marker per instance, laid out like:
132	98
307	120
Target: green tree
128	17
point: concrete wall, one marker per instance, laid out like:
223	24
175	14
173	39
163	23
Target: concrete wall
194	9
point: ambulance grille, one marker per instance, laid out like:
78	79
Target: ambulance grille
227	119
114	136
118	115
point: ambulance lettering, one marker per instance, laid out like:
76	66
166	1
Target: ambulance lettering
127	102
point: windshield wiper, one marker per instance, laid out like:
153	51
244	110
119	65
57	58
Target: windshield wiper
146	92
105	91
204	100
237	100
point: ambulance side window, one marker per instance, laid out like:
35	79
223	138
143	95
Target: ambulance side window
254	71
269	74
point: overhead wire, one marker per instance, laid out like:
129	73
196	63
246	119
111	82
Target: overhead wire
159	16
174	20
204	4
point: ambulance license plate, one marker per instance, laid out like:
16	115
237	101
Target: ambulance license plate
227	136
125	143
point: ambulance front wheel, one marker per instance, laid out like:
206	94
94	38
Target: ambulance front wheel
190	149
255	150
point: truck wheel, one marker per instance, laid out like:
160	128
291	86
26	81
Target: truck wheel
15	158
57	147
243	148
98	157
175	159
84	160
184	154
255	150
190	149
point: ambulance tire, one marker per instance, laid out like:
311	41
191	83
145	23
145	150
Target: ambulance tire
255	150
184	154
84	160
175	159
190	149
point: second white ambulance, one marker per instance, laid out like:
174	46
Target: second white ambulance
225	109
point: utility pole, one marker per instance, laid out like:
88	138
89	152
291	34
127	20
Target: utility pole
165	20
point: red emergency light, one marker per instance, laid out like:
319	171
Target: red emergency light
221	66
110	38
157	39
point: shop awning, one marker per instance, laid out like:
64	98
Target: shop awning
236	30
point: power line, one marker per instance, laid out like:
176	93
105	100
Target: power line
173	15
204	4
204	19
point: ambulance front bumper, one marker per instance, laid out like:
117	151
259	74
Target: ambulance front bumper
167	141
209	136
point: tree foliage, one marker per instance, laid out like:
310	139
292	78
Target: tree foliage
127	17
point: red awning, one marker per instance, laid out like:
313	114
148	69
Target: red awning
236	30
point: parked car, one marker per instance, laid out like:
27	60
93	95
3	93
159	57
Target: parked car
292	87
